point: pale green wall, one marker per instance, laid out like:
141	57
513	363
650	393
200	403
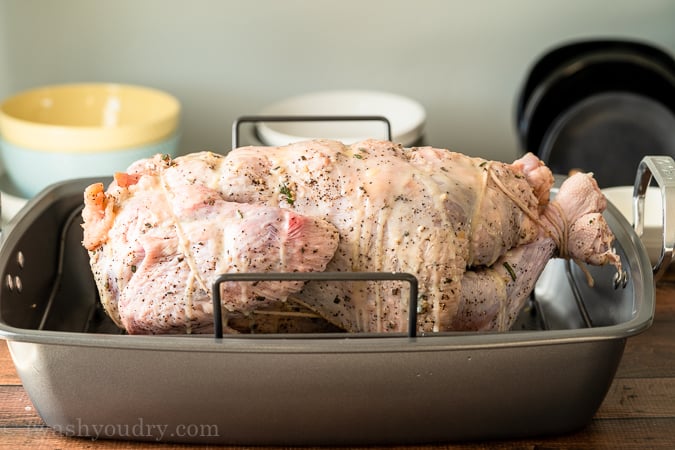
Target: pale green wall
464	60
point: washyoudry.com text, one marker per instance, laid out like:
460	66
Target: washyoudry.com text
138	430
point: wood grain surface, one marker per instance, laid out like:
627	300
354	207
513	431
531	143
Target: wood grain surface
638	411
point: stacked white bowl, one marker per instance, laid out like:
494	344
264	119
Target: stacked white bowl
406	117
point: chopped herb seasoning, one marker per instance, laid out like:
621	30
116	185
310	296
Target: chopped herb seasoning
509	269
287	193
133	268
240	214
358	156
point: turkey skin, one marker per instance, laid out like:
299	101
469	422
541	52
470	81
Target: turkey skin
475	233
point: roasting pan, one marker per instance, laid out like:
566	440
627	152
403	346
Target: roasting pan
547	375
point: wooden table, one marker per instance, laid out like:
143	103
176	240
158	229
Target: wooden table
638	412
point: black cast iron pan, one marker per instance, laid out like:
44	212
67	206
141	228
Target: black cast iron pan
599	106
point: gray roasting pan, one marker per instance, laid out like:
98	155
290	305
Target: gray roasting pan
548	375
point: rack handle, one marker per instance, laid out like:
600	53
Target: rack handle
346	118
316	276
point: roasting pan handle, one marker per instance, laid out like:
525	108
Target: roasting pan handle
297	118
662	170
316	276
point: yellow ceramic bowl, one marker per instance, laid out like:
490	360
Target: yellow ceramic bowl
55	133
88	117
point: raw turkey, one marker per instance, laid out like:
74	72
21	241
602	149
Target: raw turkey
475	233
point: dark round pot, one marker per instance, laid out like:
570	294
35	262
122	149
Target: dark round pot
599	106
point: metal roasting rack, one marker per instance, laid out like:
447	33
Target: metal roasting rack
317	276
532	316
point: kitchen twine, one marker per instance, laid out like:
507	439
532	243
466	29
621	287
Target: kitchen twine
561	235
